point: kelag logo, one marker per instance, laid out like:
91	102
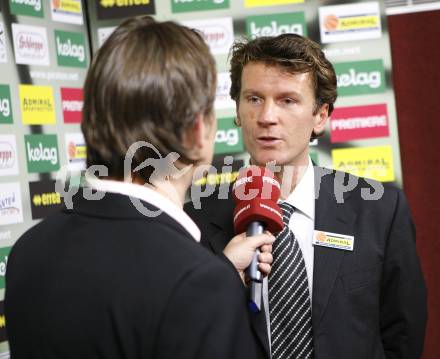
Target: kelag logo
218	33
254	3
4	253
276	24
11	209
27	7
359	122
8	156
72	104
37	105
228	137
41	153
198	5
116	9
69	11
5	105
360	78
30	45
44	199
71	49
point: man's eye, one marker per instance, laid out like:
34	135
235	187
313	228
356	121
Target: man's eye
254	99
288	101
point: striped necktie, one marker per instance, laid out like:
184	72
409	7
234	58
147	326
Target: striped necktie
289	299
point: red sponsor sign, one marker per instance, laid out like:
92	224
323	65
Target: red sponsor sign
359	122
72	104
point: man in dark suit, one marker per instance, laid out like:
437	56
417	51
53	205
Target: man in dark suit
119	273
346	280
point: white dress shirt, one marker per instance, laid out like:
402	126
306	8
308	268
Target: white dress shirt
302	224
148	195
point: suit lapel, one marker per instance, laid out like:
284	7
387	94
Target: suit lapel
329	217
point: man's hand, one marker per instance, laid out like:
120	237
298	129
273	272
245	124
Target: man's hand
240	251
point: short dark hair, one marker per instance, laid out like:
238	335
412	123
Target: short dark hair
292	53
147	82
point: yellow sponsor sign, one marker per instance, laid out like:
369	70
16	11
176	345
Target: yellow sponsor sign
359	22
37	105
370	162
217	179
255	3
72	6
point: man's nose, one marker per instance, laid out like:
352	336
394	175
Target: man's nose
269	114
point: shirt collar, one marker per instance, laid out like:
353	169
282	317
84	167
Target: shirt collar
303	196
148	195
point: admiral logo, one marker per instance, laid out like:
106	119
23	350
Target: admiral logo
27	7
3	54
370	162
42	153
5	105
11	210
68	11
198	5
70	48
4	253
350	22
218	33
72	104
8	156
228	137
116	9
359	122
75	151
254	3
44	199
30	45
276	24
360	78
37	105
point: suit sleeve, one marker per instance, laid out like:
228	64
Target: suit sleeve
207	317
404	302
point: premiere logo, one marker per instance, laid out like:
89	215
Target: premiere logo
72	104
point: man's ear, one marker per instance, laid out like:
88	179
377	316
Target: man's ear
193	136
321	118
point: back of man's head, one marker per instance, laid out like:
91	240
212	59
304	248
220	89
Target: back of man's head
292	53
147	82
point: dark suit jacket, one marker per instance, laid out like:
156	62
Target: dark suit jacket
366	304
103	281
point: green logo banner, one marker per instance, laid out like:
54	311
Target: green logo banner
4	253
5	105
276	24
27	7
71	49
360	78
41	153
198	5
228	138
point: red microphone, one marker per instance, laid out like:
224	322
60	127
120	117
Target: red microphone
256	193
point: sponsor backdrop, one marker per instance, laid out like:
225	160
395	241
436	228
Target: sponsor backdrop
46	47
44	56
